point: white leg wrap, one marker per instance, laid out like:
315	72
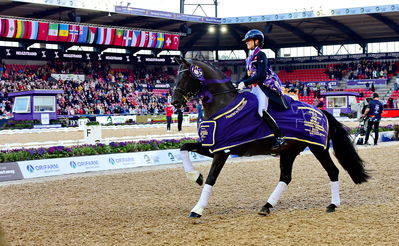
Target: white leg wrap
187	164
335	193
203	201
193	175
275	196
197	209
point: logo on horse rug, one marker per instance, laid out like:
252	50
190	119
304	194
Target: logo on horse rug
240	123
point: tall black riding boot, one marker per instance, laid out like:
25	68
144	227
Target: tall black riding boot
275	129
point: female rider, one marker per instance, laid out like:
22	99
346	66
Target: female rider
263	81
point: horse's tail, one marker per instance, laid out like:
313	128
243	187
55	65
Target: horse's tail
345	151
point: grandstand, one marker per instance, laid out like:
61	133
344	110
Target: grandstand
126	55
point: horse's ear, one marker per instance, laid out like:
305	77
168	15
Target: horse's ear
181	60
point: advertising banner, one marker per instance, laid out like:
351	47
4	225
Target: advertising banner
79	77
162	60
314	83
365	81
116	119
81	164
390	113
167	15
322	83
43	168
19	53
44	54
10	171
61	166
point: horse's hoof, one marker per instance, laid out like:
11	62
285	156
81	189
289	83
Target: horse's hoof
264	211
331	208
200	180
194	215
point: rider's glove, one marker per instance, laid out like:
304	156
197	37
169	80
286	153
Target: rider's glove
241	86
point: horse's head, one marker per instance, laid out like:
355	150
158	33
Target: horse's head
186	86
193	78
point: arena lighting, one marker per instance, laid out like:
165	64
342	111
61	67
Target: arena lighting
223	29
211	29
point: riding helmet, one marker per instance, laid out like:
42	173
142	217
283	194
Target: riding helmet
254	34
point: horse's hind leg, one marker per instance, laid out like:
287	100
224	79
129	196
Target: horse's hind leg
189	169
287	158
325	159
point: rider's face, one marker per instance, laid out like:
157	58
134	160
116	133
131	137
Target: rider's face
250	44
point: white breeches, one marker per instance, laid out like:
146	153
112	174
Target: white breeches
263	100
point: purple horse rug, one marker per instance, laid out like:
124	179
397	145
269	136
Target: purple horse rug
240	123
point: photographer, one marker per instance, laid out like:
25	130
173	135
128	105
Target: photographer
373	112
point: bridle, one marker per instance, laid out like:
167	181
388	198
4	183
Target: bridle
204	84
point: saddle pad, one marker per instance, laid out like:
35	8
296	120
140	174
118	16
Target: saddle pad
240	123
236	124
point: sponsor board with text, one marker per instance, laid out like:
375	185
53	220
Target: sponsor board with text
81	164
10	171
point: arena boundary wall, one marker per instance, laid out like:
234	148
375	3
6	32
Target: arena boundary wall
81	164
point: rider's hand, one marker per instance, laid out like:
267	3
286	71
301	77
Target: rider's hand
241	86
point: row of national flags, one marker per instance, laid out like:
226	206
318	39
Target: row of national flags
55	32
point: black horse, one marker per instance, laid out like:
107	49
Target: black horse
197	78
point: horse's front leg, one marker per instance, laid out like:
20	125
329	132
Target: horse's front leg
218	162
189	169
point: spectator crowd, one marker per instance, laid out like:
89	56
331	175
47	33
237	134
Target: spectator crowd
104	91
107	90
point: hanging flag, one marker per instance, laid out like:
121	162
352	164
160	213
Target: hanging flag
63	33
175	42
127	37
10	28
136	39
110	34
20	29
118	37
2	24
144	39
82	34
160	40
52	32
43	30
101	35
91	35
168	41
73	33
34	29
152	40
154	36
27	29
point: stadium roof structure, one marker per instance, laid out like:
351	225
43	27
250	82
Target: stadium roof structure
339	26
